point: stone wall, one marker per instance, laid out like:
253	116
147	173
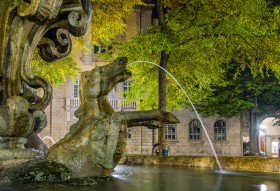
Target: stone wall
56	115
141	138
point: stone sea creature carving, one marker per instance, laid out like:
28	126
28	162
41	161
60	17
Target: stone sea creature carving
96	143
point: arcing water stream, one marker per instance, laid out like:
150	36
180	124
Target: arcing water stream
204	129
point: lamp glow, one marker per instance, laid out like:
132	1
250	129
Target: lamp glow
262	126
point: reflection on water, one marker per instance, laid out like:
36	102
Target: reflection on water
143	178
262	187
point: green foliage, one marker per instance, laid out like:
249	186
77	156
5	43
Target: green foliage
57	71
202	36
107	21
243	92
108	18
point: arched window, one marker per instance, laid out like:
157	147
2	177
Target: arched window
220	130
195	130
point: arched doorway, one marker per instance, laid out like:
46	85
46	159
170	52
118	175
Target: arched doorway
269	136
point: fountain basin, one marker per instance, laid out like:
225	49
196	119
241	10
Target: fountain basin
248	163
159	178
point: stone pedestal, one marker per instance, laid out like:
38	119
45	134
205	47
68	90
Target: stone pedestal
12	152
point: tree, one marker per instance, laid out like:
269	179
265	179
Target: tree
107	22
240	93
55	72
258	94
196	40
164	57
201	37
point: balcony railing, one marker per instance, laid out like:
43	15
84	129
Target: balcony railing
128	105
72	102
116	104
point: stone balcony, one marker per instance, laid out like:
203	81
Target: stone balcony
117	105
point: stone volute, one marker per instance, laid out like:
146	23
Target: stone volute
25	26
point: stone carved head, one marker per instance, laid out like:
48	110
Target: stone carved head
101	80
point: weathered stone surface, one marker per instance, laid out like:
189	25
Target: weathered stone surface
43	174
96	142
9	154
26	25
17	121
35	171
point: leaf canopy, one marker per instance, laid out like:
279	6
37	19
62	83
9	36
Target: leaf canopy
202	37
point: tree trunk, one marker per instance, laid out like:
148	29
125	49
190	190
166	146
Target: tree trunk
162	77
254	135
162	98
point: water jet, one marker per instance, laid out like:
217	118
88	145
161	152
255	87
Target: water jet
198	116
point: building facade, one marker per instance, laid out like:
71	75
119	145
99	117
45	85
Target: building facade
185	138
189	138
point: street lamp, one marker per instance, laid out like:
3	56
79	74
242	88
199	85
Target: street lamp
262	138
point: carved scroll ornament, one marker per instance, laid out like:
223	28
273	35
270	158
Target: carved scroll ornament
26	25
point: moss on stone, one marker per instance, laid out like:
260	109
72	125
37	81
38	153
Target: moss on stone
35	171
44	174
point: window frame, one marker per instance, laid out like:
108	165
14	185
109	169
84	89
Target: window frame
76	87
170	132
125	87
195	130
129	133
220	130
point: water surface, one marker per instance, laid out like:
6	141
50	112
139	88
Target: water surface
153	178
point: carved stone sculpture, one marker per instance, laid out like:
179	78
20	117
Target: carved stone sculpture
25	26
95	144
97	141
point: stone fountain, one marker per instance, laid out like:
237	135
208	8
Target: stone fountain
97	141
